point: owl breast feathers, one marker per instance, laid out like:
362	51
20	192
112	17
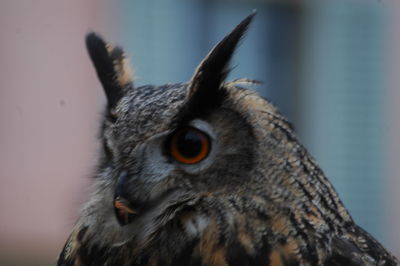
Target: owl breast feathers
206	173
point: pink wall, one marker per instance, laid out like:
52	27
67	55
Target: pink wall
50	102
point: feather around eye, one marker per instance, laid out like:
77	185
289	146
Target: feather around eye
189	145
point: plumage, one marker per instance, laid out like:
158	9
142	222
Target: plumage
250	194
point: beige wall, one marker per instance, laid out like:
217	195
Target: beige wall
49	108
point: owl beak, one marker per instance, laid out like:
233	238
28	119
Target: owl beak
124	211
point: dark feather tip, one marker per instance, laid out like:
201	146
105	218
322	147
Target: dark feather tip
97	49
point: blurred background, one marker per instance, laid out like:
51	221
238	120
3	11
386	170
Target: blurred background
332	67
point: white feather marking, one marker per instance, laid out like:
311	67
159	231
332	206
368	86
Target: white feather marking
196	225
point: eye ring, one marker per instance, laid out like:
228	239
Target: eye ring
189	145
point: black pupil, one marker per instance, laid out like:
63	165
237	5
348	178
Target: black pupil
189	143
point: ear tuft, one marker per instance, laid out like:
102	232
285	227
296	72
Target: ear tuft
204	93
214	68
112	67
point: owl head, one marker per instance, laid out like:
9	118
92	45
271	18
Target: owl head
206	173
207	144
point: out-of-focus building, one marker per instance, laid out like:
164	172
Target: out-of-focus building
331	66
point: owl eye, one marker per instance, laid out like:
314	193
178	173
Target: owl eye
189	145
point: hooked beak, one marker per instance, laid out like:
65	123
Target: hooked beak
123	209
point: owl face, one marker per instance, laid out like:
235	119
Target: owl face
174	141
178	143
161	150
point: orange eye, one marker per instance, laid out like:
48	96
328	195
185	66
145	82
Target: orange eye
189	145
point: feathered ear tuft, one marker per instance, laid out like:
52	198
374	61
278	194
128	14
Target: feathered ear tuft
214	68
204	91
112	67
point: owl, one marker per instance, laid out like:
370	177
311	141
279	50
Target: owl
206	172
